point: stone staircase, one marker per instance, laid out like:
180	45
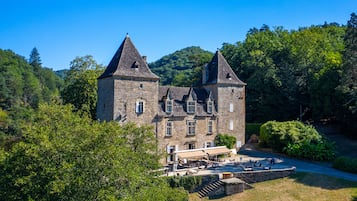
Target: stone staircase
209	188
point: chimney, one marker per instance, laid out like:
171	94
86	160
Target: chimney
144	58
205	74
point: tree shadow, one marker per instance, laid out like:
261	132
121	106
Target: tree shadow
323	181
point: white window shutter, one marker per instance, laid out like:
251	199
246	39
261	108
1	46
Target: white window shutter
168	153
176	149
231	109
137	107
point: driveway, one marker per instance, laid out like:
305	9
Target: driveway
301	166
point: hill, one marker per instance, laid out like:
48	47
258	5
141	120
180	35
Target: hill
181	68
23	84
62	73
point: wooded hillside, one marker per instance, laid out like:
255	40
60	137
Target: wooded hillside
181	68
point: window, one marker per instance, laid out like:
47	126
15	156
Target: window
230	107
169	128
191	107
170	153
191	127
209	126
209	106
208	144
191	146
169	106
231	125
139	109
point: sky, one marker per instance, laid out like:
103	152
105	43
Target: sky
62	30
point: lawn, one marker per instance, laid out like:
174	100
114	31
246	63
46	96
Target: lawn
299	187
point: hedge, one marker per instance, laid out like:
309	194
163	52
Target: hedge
346	164
296	139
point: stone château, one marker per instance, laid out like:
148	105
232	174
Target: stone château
185	119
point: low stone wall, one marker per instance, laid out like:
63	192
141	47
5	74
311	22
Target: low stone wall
264	175
207	179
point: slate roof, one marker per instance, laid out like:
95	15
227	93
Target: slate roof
179	96
219	71
127	62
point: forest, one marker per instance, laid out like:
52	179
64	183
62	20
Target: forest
307	74
51	143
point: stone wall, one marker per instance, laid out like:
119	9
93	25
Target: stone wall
127	92
264	175
179	137
105	99
224	96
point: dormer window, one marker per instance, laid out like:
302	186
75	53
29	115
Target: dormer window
168	106
135	64
209	106
191	106
229	76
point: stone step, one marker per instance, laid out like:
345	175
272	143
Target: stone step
209	188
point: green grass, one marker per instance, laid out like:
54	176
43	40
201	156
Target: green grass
299	187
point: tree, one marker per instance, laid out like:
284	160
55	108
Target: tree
65	156
288	69
181	68
348	85
81	84
225	140
35	60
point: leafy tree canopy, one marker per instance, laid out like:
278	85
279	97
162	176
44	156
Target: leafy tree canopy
22	87
225	140
65	156
288	70
348	85
81	87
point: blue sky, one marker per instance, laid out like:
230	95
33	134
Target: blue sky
64	29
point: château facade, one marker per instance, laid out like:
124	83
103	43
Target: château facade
185	118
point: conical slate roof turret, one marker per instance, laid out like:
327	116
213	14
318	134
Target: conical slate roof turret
219	72
127	62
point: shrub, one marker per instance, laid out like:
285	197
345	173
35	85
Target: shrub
320	151
296	139
225	140
278	135
345	164
189	183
